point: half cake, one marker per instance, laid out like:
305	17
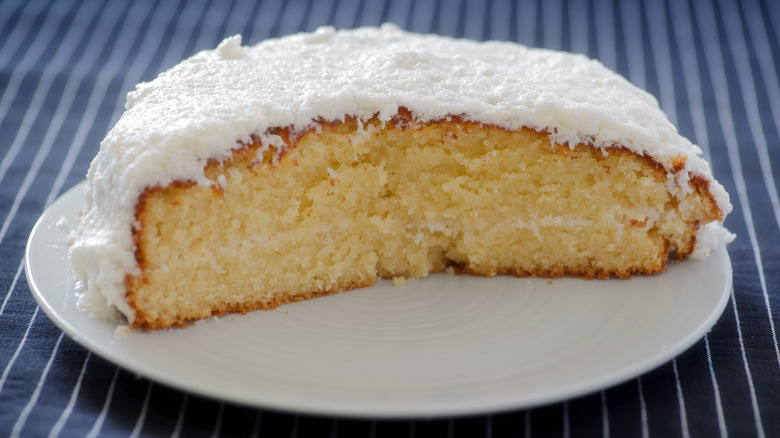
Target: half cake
248	177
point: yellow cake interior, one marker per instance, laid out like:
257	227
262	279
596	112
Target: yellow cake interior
352	201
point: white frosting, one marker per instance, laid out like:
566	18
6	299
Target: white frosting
709	238
200	108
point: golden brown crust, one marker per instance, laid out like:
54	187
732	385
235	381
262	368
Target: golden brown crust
585	274
702	187
246	155
143	322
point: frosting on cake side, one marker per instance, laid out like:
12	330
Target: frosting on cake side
201	108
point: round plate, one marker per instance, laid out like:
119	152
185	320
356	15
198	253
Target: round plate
445	345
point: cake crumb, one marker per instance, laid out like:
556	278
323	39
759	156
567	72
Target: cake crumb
63	223
121	331
399	281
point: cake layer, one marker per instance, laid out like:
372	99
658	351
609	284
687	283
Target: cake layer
351	201
178	128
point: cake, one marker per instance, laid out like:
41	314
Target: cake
249	177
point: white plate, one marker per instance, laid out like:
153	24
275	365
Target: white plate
445	345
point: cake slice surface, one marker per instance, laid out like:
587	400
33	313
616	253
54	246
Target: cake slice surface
248	177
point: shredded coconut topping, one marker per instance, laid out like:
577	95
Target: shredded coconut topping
200	108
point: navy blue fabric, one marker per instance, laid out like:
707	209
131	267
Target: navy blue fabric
66	66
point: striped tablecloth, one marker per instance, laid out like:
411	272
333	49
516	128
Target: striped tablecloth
66	66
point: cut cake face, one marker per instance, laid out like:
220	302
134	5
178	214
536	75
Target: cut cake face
248	177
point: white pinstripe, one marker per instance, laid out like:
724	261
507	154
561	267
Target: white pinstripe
526	22
760	41
291	17
397	13
15	40
632	34
15	356
69	90
684	39
749	375
256	424
22	419
133	76
266	15
662	57
295	427
33	113
681	401
180	418
643	422
552	19
423	16
28	180
476	12
139	423
12	287
104	78
46	33
578	27
208	40
98	425
68	94
83	129
95	430
346	13
739	50
18	73
218	421
59	113
716	63
79	143
500	17
372	13
6	7
716	390
605	32
774	16
46	145
691	75
334	429
604	415
231	25
196	27
565	420
5	13
178	40
447	23
158	20
527	424
57	428
318	9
